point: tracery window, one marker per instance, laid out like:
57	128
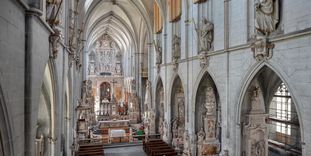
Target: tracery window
174	10
284	124
157	19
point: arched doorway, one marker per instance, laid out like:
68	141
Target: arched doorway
207	117
269	118
159	120
177	114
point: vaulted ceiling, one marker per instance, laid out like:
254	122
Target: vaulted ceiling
126	21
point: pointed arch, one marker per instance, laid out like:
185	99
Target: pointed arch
177	111
47	124
268	78
159	104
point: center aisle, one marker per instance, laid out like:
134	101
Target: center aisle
125	151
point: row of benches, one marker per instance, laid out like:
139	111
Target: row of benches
91	150
157	147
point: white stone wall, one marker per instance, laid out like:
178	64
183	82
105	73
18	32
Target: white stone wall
233	70
24	54
12	73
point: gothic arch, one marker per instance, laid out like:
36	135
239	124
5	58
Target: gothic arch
177	112
159	104
248	79
268	79
6	148
203	73
207	113
47	124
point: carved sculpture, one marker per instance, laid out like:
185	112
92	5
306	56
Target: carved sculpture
54	42
211	144
204	59
176	47
267	16
205	33
165	130
152	121
262	49
255	130
186	141
258	148
210	101
158	49
200	141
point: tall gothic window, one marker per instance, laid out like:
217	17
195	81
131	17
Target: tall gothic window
174	10
157	19
284	123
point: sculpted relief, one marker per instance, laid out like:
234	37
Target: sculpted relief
176	47
205	33
255	130
207	139
267	16
158	49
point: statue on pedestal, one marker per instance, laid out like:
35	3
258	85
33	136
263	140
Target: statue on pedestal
210	101
267	16
176	47
205	33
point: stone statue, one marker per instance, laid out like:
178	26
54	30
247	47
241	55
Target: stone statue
176	47
258	148
152	121
158	49
210	101
161	128
205	33
97	44
165	128
211	129
267	16
148	96
181	111
91	68
55	42
201	136
256	104
186	151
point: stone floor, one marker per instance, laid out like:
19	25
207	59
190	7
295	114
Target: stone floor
125	151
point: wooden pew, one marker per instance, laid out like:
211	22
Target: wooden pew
91	150
146	146
160	150
155	148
